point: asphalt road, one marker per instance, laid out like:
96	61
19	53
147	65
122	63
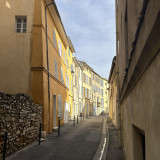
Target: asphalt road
78	142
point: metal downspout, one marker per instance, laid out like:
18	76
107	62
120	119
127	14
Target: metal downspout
47	57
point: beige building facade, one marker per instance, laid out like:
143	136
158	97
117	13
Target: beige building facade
138	72
113	96
105	88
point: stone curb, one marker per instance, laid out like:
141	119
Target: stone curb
103	145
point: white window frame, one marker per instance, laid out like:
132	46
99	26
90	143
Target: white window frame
23	22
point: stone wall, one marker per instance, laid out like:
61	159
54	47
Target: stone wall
20	118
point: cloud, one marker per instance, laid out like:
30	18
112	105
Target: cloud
91	26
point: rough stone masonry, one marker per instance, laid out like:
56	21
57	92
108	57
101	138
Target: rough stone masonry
20	118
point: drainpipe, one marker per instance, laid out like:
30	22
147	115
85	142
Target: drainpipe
47	56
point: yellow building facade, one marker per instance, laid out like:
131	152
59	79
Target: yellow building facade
87	90
96	92
38	53
70	74
106	95
54	42
39	61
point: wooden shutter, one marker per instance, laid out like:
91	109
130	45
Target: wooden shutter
54	38
60	107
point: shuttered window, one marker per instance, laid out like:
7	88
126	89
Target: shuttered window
84	76
54	38
66	79
69	52
60	47
101	92
62	80
60	107
81	91
64	57
55	69
102	102
69	109
85	92
67	63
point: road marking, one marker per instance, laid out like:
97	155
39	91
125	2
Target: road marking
104	144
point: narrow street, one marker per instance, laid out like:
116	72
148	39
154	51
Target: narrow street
62	61
79	142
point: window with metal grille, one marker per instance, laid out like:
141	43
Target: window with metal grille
21	24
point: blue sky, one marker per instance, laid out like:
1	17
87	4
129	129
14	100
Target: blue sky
91	26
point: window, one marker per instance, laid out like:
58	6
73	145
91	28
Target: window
101	83
21	24
62	76
79	73
90	94
101	92
102	102
69	52
75	80
55	69
60	47
54	38
71	87
67	63
68	81
81	91
82	76
85	92
64	57
86	79
66	78
60	108
69	106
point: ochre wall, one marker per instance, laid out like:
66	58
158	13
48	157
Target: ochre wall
56	86
15	48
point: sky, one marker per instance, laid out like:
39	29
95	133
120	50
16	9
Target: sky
91	26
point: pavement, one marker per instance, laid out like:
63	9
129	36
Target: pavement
79	142
114	149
